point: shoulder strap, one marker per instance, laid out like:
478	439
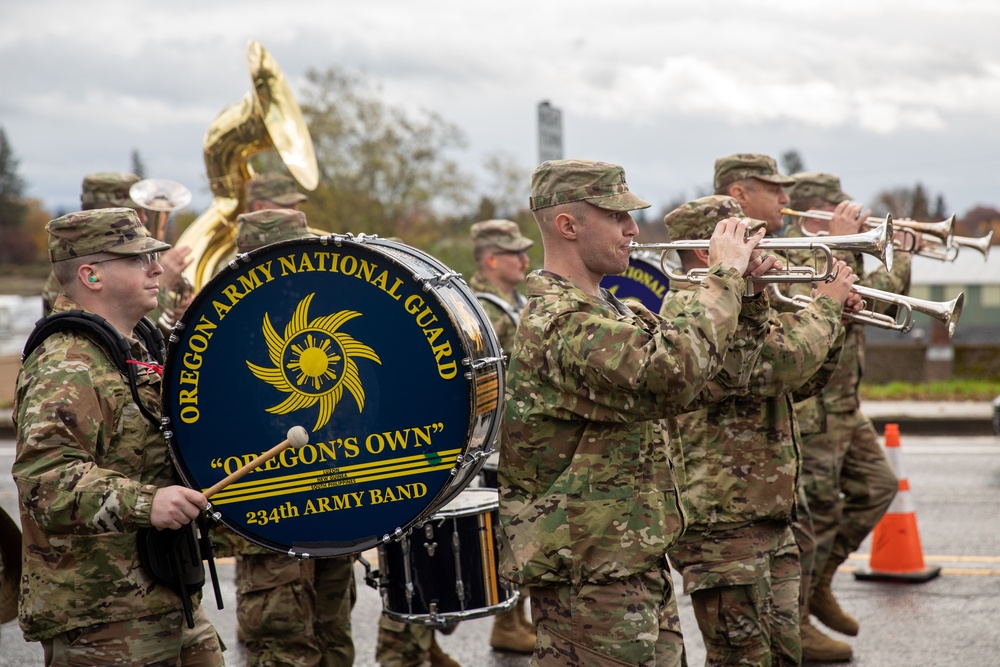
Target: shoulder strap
110	340
501	304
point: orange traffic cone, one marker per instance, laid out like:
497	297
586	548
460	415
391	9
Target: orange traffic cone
896	552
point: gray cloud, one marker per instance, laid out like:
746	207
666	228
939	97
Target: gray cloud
885	92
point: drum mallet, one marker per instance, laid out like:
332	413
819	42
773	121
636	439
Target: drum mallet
296	437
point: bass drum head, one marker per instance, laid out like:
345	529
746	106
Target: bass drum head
381	353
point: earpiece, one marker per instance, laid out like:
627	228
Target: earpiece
92	278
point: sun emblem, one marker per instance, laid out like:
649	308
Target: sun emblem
313	362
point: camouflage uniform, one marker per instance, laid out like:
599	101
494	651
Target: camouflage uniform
290	611
848	481
741	459
87	466
588	497
410	645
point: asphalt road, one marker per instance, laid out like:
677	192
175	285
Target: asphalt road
949	621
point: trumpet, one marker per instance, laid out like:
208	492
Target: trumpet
877	242
938	238
946	312
942	230
949	252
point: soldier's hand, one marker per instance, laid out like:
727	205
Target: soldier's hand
847	218
838	289
730	247
176	506
174	261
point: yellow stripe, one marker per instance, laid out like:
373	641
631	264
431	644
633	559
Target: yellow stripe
302	482
315	477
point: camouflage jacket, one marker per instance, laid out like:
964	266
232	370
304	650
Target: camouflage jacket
503	324
741	456
86	468
841	393
587	490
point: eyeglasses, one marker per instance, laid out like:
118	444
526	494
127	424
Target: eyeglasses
145	260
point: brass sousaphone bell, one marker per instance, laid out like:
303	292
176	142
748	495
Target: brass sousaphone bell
266	118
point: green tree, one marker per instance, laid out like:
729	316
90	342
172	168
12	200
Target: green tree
792	162
15	246
382	170
138	166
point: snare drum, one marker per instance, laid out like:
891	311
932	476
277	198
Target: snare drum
445	570
379	351
643	281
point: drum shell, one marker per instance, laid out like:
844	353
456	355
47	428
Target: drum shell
449	565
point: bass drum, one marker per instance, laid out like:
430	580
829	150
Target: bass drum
378	350
643	281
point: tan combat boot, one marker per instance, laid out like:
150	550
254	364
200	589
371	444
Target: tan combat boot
817	646
824	605
438	657
510	635
522	617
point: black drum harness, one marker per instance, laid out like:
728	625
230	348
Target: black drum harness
171	557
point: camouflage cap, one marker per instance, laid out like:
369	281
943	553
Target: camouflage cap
260	228
813	184
599	183
502	234
107	189
696	220
279	188
114	230
740	166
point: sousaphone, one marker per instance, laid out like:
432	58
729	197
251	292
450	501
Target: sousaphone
266	118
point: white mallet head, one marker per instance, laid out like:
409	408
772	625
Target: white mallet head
297	436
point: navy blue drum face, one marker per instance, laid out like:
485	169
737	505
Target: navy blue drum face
379	351
643	281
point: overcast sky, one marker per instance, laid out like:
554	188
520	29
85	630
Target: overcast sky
883	92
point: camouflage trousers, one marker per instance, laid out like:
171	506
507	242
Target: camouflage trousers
295	612
805	539
849	484
159	640
629	622
405	644
744	587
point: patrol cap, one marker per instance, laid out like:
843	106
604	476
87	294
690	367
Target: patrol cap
696	220
260	228
740	166
107	189
279	188
502	234
813	184
114	230
599	183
